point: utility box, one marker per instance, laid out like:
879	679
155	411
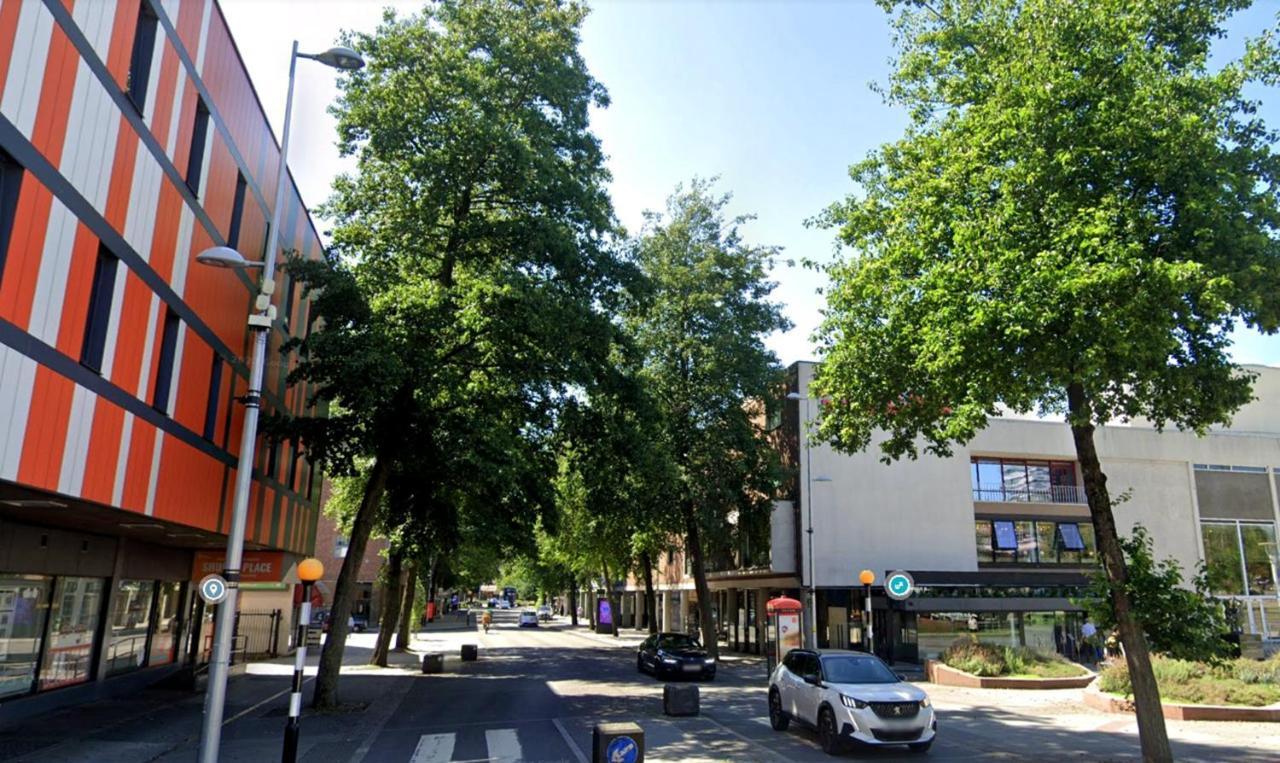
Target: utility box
617	743
469	652
433	663
680	699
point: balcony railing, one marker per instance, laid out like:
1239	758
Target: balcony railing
1053	494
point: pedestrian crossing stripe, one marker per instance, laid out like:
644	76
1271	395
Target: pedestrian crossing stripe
503	747
434	748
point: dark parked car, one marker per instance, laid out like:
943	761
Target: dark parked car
674	654
359	623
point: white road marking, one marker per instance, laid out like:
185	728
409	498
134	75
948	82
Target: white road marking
753	743
568	740
503	744
434	748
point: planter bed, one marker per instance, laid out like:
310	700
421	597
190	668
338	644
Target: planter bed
1112	703
948	676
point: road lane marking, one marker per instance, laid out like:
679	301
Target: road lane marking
503	744
754	743
434	748
573	746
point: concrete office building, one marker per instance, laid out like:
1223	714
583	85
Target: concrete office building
998	537
130	140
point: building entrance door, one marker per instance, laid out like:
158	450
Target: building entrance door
838	627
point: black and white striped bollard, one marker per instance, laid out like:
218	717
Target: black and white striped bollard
309	571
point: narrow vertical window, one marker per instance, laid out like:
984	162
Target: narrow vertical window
273	450
211	407
10	182
237	213
288	302
95	327
294	454
144	43
195	160
164	372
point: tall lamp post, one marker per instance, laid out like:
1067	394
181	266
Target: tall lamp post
812	639
260	321
309	571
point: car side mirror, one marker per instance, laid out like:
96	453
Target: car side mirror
812	679
901	677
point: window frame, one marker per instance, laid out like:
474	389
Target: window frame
93	346
162	386
141	56
11	176
199	142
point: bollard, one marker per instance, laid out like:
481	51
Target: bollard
617	743
680	699
469	653
433	663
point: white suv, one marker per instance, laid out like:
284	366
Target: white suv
849	697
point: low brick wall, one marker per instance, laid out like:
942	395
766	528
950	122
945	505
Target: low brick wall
947	676
1110	703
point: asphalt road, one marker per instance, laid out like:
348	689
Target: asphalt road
535	694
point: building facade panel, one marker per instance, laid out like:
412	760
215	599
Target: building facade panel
138	142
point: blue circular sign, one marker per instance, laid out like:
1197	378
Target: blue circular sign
622	750
899	585
213	589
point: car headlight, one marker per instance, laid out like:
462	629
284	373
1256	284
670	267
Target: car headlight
848	701
710	660
925	702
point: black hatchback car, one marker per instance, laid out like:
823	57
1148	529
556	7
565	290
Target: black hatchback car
674	654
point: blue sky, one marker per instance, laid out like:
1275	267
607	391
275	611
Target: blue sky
772	97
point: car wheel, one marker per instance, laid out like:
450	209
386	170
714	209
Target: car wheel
777	719
921	746
827	734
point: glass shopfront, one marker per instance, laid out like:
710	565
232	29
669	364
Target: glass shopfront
129	626
164	637
73	625
24	607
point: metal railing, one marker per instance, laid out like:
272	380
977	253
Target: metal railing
260	632
1054	494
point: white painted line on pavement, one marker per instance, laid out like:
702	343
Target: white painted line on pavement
573	746
746	739
275	696
503	744
434	748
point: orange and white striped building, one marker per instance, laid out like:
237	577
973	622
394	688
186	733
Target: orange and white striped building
130	140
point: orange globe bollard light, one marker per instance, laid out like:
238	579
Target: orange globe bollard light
866	577
310	570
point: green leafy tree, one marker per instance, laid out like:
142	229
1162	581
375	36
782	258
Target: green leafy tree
701	330
1078	214
1180	622
471	243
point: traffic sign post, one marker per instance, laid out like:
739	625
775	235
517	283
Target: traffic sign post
899	585
213	589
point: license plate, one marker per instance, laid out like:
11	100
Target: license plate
692	668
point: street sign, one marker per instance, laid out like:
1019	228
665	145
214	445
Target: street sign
213	589
899	585
623	750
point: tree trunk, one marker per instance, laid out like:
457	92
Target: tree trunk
650	598
326	691
390	615
694	547
612	596
1146	694
590	595
573	603
410	587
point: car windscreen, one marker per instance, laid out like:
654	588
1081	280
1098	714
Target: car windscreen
856	669
679	642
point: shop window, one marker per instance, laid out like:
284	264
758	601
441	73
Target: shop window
129	625
10	184
1017	480
982	531
24	606
340	546
144	44
164	368
164	626
73	625
237	212
99	316
199	134
1238	557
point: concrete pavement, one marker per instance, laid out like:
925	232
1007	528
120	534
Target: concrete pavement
535	694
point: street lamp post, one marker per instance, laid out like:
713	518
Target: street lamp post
809	480
260	321
309	571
